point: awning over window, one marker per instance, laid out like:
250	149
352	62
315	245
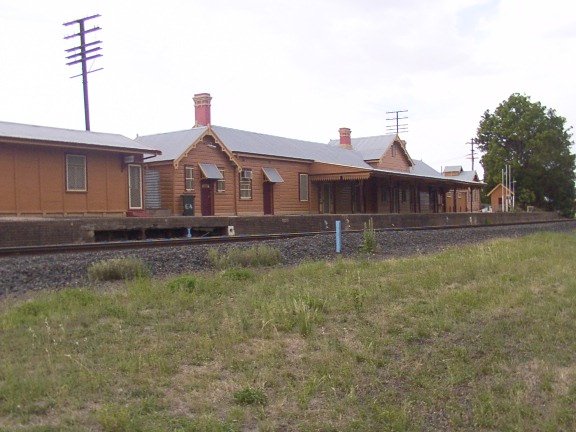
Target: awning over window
210	171
272	175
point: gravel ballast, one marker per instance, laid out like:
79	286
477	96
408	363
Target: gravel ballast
20	274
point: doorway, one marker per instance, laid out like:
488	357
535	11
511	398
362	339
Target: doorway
325	198
207	197
268	191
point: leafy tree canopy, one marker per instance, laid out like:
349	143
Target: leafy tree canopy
534	140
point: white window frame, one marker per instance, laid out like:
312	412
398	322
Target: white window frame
303	180
73	188
221	183
188	180
245	184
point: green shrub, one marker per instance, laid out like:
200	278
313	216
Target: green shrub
250	396
117	269
369	243
256	256
187	283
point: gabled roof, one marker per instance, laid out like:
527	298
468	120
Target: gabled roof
468	176
174	144
374	147
453	168
504	188
71	137
371	148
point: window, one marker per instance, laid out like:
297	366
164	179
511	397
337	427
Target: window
246	184
393	150
303	187
76	173
135	186
404	195
188	178
221	183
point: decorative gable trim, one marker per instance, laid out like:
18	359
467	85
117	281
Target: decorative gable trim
217	142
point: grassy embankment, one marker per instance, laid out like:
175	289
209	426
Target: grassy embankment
475	338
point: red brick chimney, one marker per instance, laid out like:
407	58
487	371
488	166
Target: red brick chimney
202	109
345	140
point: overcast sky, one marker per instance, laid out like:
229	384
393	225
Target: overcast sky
295	68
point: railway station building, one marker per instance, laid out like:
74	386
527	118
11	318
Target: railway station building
47	171
213	170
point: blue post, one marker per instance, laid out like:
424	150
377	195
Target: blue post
189	233
338	236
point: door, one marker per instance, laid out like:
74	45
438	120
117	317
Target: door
268	190
207	197
134	186
325	198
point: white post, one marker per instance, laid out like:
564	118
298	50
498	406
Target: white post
503	199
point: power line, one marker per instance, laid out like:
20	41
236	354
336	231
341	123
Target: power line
396	126
472	153
81	54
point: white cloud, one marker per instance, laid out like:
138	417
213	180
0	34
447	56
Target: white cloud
294	68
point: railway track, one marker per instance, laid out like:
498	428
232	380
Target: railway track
214	240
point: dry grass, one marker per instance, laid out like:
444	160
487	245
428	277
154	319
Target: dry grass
474	338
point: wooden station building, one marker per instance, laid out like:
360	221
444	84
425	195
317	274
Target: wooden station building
213	170
50	171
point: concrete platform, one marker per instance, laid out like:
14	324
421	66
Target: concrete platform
54	231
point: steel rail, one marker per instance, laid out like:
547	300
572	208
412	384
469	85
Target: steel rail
184	241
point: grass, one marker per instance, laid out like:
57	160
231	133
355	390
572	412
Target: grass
117	269
475	338
255	256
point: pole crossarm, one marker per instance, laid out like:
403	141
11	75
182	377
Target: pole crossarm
81	54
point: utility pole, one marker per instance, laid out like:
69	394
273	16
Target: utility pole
472	143
81	54
397	127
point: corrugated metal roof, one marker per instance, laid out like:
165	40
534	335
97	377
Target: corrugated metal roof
466	176
453	168
174	144
70	136
240	141
171	144
370	147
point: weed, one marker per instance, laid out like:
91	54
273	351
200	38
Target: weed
250	396
369	243
186	283
256	256
239	274
117	269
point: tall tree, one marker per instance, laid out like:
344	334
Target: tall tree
536	143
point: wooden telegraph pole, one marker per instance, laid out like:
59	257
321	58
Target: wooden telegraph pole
81	54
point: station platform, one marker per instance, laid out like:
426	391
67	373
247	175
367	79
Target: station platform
22	231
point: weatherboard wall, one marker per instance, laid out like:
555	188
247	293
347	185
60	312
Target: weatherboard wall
33	182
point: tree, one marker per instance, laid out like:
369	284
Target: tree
535	142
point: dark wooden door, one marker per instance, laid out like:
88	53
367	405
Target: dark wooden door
207	197
268	191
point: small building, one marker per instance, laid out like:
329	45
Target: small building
498	196
213	170
51	171
467	199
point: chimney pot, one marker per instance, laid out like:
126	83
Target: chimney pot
202	109
345	140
